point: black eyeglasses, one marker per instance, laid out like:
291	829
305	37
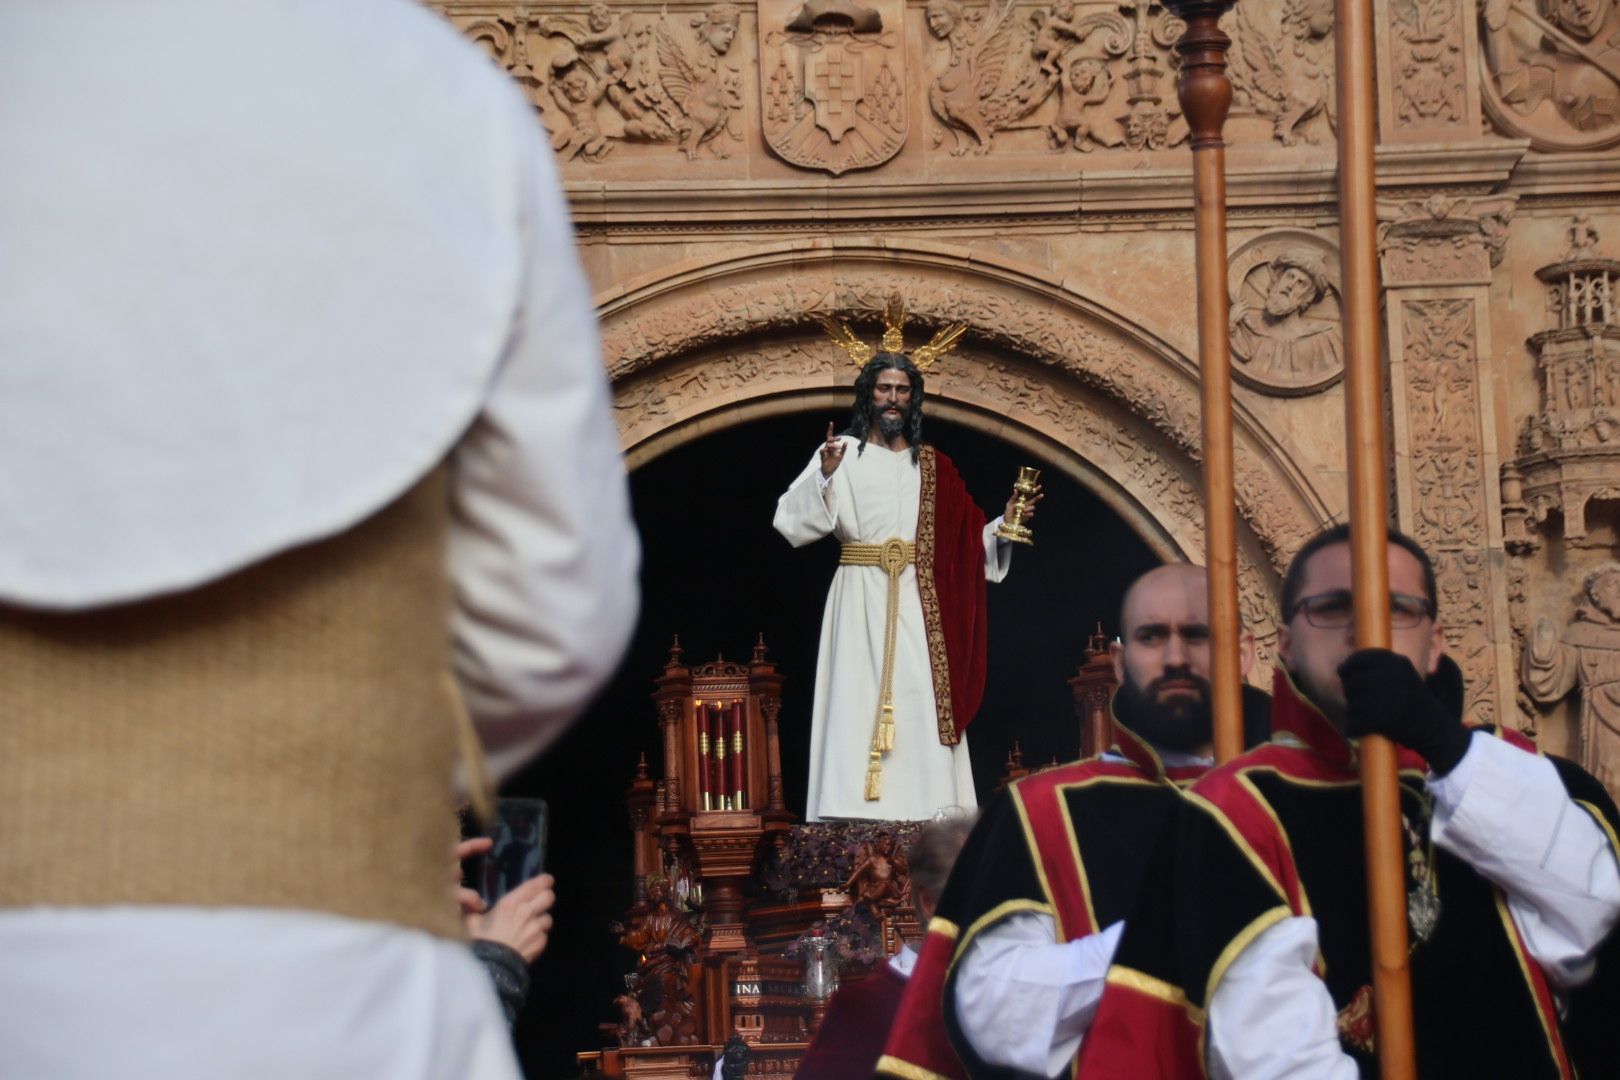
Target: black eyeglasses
1337	610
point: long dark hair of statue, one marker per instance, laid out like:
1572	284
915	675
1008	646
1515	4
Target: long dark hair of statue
865	414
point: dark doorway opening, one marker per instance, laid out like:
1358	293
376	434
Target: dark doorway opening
715	572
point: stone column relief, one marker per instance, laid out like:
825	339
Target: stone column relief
1425	56
1437	260
1552	71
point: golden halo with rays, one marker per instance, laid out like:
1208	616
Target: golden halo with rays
893	340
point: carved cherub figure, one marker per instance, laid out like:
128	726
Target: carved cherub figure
1054	32
1088	83
880	874
577	93
1583	236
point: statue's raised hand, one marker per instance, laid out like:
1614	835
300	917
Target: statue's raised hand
832	452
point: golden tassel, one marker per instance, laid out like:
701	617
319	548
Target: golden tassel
874	777
886	729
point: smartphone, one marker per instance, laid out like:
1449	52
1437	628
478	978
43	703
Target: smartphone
519	832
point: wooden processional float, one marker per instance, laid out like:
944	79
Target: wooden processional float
1205	94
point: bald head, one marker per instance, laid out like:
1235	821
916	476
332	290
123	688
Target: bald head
1181	587
1163	659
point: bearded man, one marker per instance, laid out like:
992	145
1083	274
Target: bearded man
1513	884
1015	958
902	660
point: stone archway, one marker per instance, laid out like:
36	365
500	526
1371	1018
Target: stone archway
710	342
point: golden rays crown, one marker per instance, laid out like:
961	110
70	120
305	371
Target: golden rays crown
893	339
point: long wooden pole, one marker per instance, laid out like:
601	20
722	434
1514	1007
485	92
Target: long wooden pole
1369	515
1205	94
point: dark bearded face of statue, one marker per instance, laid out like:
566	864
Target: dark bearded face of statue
1173	711
892	419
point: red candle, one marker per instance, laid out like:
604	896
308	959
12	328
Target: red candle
739	775
717	756
700	720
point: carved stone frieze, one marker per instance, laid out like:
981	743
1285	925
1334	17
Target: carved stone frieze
833	81
1552	71
1286	325
1282	67
995	69
1447	495
1443	239
1429	84
617	77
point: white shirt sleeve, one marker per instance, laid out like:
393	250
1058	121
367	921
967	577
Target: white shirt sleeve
1271	1017
808	509
543	551
1506	813
997	552
1025	1000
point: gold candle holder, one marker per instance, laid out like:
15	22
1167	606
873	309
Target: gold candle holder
1012	527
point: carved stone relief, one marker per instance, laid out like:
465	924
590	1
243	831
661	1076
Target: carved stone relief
1427	63
1584	659
995	70
1286	326
1282	67
618	77
1552	71
1570	448
833	81
1443	239
1447	496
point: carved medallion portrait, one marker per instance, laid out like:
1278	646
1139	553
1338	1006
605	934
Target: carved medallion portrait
1286	325
1552	70
832	81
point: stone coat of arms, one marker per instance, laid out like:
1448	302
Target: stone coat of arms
832	81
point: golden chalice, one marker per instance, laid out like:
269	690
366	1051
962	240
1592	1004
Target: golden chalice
1025	487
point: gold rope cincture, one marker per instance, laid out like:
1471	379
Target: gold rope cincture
893	556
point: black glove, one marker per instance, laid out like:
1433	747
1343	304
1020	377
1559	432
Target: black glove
1386	696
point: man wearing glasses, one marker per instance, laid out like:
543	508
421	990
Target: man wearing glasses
1512	874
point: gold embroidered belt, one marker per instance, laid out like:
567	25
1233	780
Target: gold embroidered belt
892	556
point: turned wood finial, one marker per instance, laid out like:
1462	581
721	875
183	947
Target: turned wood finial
1203	89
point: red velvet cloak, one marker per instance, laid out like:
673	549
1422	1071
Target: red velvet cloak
950	579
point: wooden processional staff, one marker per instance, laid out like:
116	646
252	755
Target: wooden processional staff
1205	94
1369	538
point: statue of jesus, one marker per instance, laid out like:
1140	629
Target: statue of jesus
902	659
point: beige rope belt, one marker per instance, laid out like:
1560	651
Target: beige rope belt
893	556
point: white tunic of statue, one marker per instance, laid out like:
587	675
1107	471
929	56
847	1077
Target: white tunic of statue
872	497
